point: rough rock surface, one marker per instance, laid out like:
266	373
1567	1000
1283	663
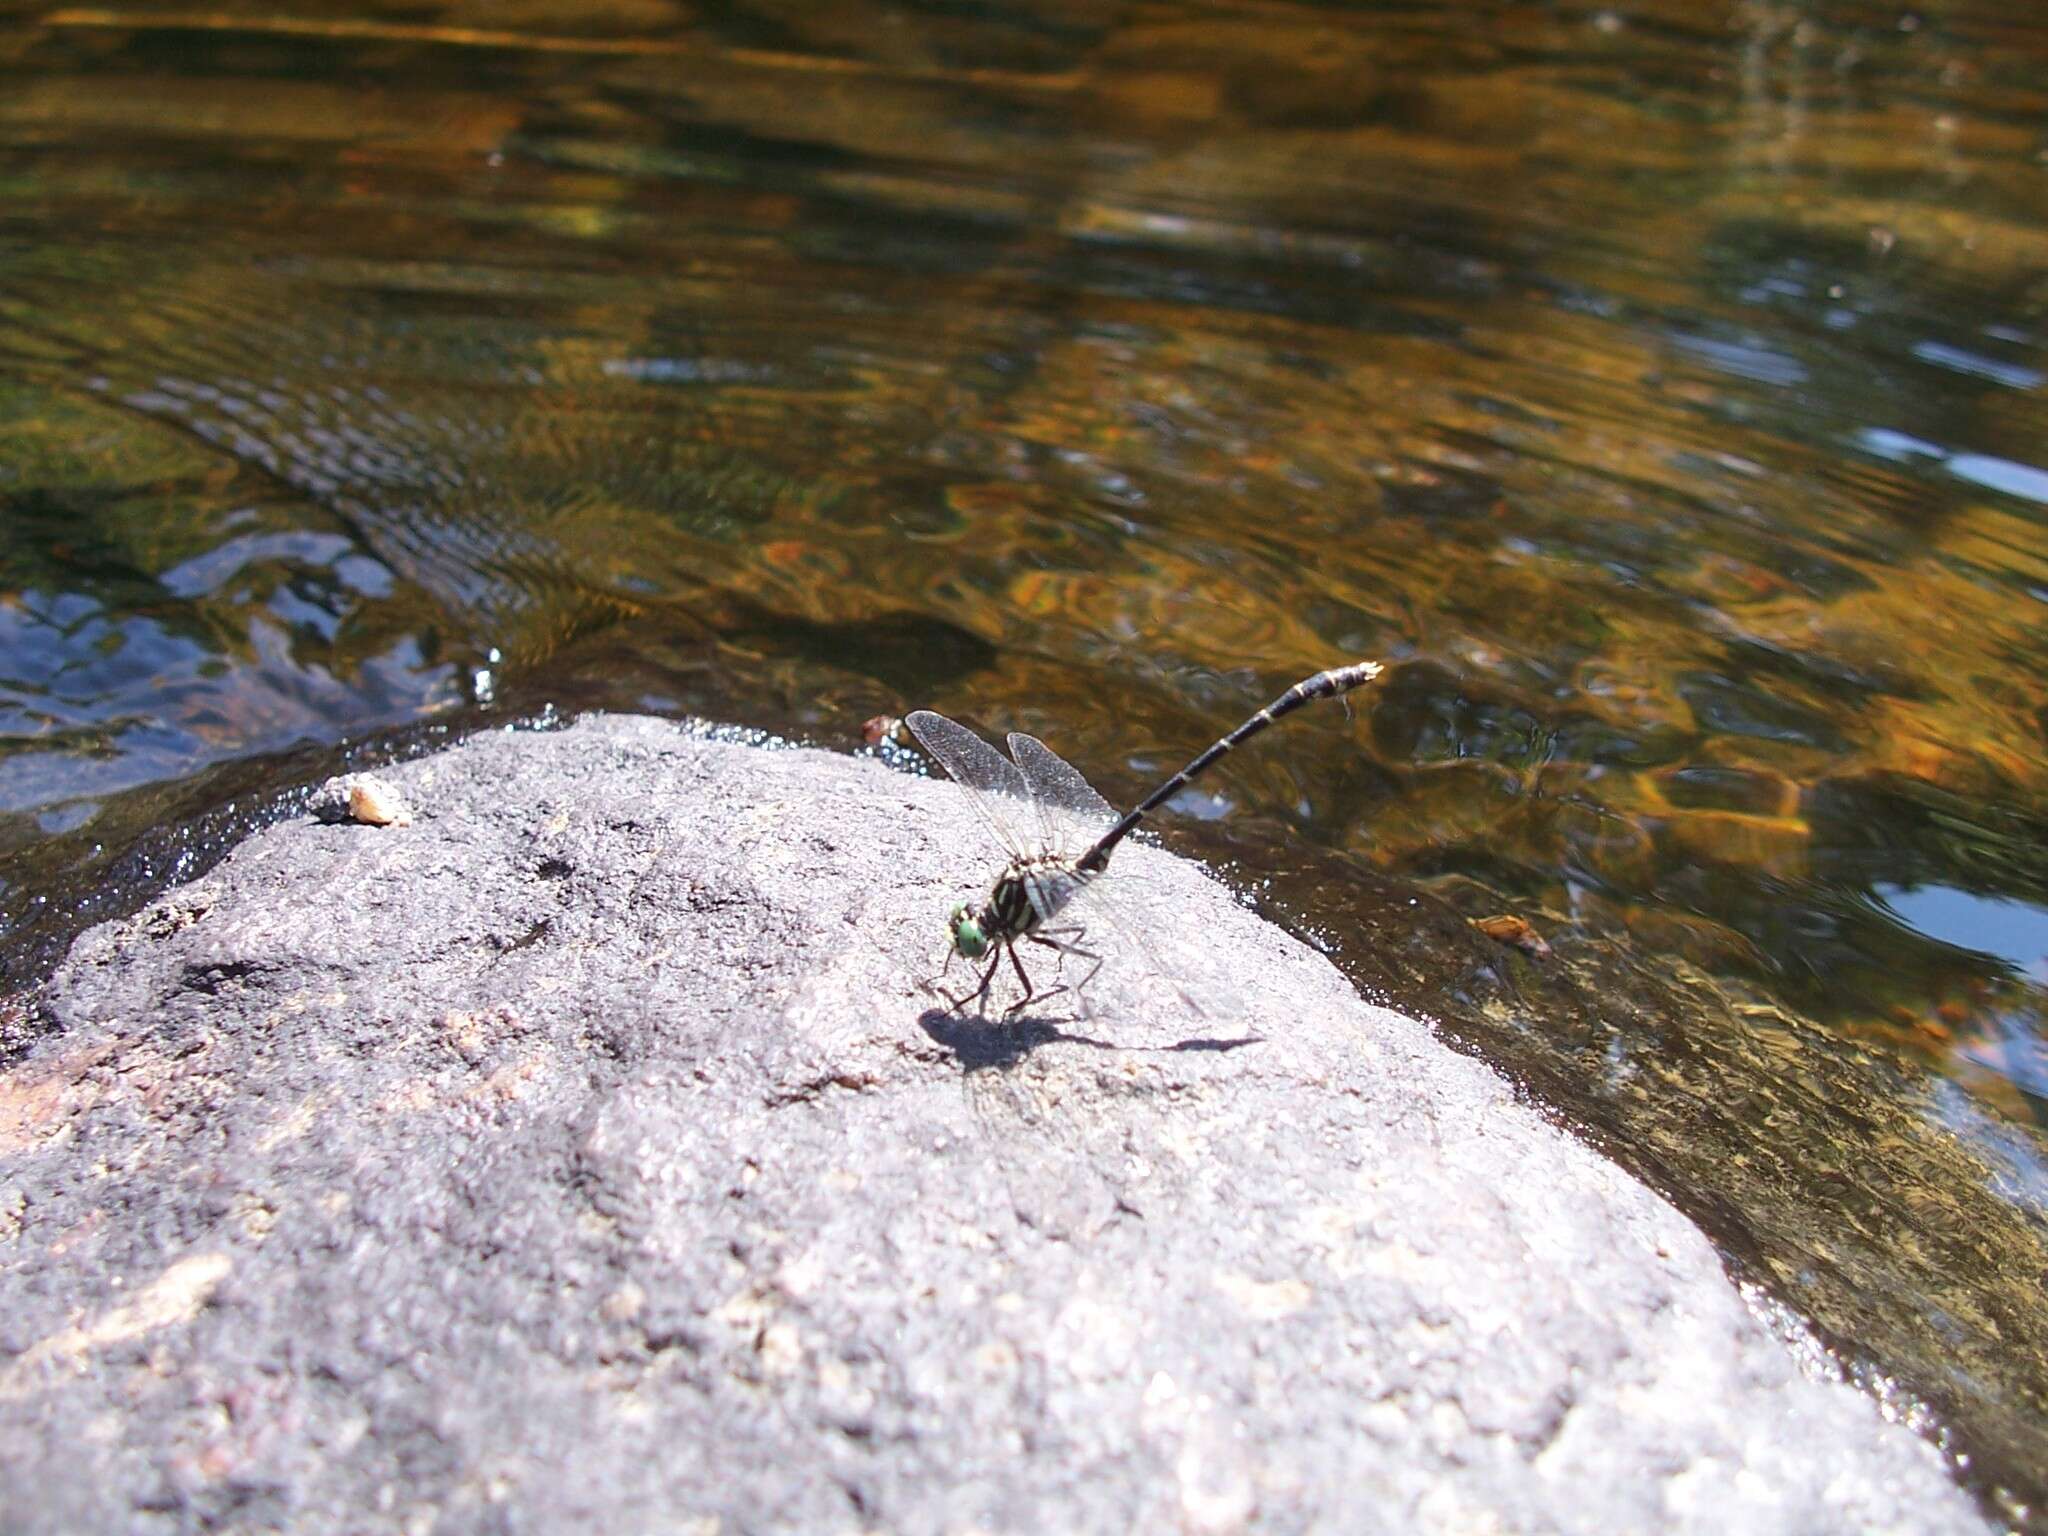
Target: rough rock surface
582	1157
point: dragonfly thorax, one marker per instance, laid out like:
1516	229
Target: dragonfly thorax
1031	892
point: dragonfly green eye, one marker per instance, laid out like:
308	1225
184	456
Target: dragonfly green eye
968	938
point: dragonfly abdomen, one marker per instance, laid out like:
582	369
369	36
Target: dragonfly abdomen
1324	685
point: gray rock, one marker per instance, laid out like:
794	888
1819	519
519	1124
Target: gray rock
582	1156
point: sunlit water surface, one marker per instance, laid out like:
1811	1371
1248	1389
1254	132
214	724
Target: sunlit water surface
1658	388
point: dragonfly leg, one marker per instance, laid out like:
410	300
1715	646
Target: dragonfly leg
1031	994
939	975
1052	939
980	993
1068	942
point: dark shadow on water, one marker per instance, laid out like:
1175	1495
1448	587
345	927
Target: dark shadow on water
980	1044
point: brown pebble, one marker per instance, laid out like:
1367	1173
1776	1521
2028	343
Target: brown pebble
376	803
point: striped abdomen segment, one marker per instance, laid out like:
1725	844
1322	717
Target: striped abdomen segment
1323	685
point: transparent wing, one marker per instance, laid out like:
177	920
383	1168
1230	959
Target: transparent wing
1071	815
1156	962
993	782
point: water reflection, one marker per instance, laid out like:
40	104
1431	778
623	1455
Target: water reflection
2015	931
1659	391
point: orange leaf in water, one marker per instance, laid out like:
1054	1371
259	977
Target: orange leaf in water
1507	929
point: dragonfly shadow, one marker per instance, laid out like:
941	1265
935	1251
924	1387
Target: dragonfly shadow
1216	1045
980	1044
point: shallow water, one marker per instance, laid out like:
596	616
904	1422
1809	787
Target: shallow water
1659	389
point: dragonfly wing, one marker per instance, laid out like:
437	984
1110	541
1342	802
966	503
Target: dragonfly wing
1070	813
1151	950
994	783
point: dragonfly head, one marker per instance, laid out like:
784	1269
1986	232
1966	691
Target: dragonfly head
968	939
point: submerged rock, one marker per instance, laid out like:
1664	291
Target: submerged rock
587	1156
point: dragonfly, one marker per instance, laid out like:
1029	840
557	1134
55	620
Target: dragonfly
1059	834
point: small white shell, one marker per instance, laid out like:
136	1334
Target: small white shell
377	803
